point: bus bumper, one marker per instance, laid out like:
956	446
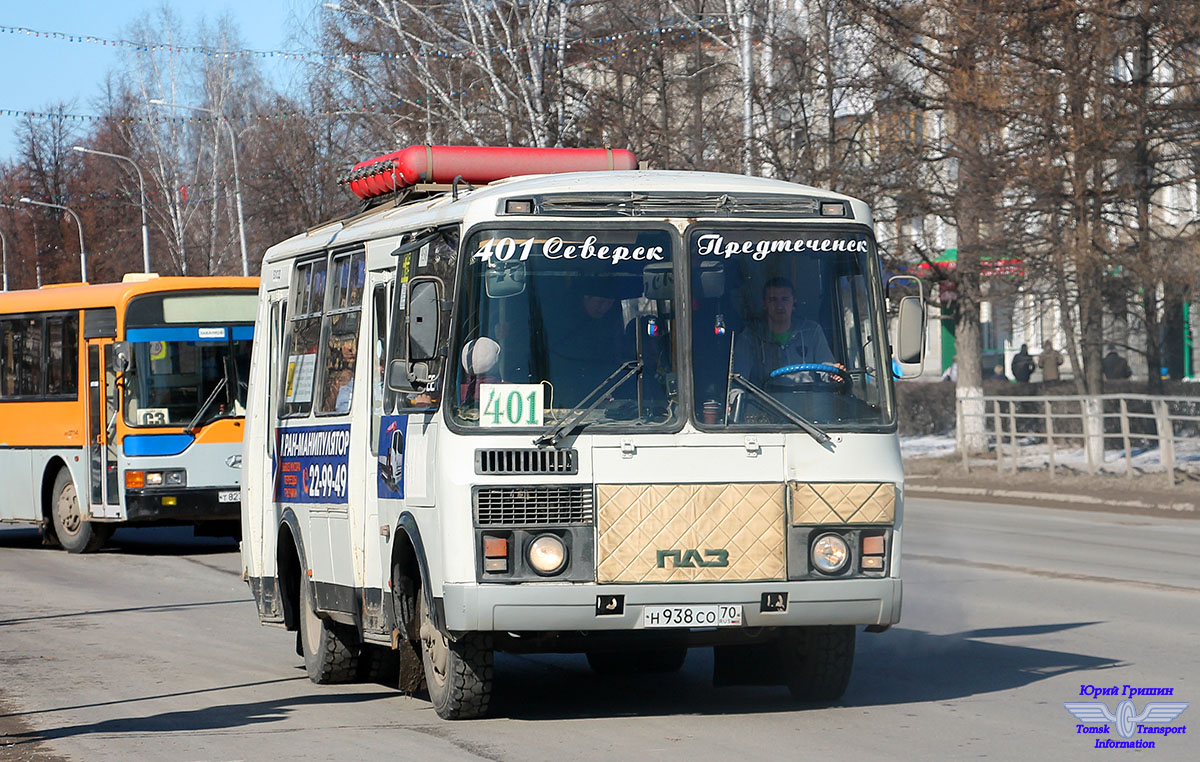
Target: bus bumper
193	504
558	607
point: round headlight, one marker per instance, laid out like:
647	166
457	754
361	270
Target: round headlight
830	553
547	554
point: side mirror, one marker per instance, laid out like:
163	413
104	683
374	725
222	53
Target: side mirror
122	356
423	307
407	377
910	331
909	347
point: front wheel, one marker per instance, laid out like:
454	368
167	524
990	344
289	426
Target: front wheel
817	661
75	533
328	648
458	673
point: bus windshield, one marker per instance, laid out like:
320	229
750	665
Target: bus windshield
170	381
554	320
786	316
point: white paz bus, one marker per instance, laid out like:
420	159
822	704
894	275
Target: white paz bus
586	409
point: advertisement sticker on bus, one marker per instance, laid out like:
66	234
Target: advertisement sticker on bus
313	464
391	456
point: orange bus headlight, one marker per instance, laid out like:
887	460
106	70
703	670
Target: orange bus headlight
135	479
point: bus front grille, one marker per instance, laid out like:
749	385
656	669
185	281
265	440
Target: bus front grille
542	505
526	461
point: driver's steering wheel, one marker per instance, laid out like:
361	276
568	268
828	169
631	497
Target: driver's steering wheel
835	374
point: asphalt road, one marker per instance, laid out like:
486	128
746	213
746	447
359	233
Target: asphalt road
151	651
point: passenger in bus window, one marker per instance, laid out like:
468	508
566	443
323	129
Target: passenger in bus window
782	339
339	374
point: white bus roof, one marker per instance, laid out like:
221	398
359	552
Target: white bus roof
481	203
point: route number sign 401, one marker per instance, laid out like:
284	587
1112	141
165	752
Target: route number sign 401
509	405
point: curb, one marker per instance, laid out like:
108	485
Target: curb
925	490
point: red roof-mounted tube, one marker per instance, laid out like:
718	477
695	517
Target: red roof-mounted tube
475	164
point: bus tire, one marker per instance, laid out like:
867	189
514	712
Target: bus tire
329	650
646	661
458	673
817	661
75	533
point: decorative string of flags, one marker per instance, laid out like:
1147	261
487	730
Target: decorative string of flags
686	30
378	108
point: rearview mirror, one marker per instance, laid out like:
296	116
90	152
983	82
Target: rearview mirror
910	331
122	356
909	348
407	377
423	308
658	281
712	280
504	279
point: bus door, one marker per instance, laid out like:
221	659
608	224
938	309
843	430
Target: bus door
103	493
387	446
269	474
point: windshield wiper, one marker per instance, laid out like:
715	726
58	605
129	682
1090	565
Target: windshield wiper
622	374
211	397
813	430
204	408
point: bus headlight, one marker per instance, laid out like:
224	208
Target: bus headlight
176	478
547	554
830	553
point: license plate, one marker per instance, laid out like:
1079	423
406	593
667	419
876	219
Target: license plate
707	615
229	496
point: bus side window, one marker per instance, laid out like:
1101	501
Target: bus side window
339	329
303	340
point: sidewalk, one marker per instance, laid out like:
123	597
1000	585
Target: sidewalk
942	476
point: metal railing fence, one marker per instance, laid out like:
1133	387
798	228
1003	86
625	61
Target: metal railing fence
1096	424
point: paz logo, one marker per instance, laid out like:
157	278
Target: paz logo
691	558
1126	719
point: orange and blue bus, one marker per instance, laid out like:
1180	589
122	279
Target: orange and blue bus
123	404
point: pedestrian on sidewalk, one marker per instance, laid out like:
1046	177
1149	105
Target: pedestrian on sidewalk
1049	361
1114	365
1022	365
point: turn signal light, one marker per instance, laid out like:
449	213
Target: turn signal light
872	546
135	479
495	554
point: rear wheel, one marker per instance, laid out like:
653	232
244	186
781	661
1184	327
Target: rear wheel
458	673
817	661
328	647
647	661
75	533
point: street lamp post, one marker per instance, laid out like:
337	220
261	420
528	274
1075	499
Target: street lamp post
4	246
237	183
78	224
142	193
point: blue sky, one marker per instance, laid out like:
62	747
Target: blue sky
39	71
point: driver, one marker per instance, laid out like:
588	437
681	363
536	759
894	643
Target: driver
782	340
